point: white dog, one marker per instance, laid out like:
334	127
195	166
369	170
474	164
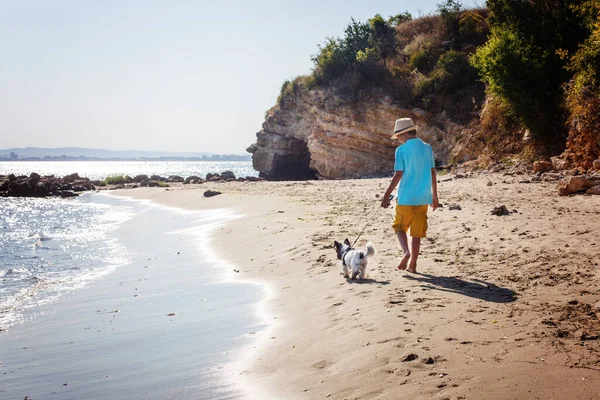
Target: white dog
354	259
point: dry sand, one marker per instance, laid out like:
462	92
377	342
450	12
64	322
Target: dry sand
503	307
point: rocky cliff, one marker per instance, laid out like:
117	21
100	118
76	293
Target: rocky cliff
314	133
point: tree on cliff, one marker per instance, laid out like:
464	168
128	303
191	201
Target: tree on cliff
583	91
520	62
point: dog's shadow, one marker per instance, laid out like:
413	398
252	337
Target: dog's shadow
367	281
475	288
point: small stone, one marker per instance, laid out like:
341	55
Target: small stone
409	357
499	211
211	193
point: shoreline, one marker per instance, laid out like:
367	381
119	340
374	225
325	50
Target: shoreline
479	318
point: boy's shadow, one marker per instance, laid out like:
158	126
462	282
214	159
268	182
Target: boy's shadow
475	288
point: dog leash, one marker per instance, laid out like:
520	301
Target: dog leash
369	221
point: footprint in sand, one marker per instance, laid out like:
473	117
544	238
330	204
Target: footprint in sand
321	364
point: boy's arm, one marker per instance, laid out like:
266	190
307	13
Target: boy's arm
435	203
385	202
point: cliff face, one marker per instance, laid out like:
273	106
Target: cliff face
313	133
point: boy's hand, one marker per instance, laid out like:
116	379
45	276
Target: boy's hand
435	203
385	202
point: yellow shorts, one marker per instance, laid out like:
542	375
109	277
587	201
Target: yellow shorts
414	217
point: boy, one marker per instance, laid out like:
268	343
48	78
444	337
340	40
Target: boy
415	171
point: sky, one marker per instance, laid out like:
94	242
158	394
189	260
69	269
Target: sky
194	76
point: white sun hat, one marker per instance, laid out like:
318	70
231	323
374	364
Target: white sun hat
403	125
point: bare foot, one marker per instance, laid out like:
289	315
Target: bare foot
404	261
412	268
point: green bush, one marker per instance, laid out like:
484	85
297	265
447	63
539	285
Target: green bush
115	180
423	61
398	19
455	71
471	25
520	63
338	55
452	73
291	88
449	11
583	92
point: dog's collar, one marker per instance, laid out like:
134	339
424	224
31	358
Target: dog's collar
344	256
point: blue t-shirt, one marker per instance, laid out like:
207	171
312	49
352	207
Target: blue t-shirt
415	159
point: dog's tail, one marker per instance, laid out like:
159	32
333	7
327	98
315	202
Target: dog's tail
370	250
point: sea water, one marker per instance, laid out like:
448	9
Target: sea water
55	249
98	170
49	247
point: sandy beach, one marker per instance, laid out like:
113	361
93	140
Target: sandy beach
502	307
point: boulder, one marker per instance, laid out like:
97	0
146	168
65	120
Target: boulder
193	179
20	189
596	164
560	164
213	177
67	194
574	184
542	166
140	178
71	178
227	175
175	178
594	190
34	178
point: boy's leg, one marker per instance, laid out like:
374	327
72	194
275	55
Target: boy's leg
418	230
415	248
402	221
403	239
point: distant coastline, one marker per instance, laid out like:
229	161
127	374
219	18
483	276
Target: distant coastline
214	157
87	154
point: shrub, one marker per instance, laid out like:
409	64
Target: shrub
583	92
338	55
455	71
401	83
472	26
383	38
449	12
520	64
398	19
423	61
115	180
291	88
